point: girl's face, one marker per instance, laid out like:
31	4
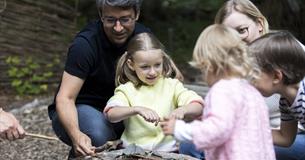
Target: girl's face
148	65
248	29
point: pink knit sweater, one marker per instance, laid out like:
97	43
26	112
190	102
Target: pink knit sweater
235	124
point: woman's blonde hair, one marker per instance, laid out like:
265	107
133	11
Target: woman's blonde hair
245	7
220	50
143	42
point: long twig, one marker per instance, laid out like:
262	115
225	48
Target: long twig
41	136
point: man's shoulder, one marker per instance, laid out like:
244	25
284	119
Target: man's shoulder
89	38
92	30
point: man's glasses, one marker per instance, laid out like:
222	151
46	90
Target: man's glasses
110	21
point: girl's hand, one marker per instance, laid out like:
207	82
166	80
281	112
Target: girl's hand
168	125
148	114
178	113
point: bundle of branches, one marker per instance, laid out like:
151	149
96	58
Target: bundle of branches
112	151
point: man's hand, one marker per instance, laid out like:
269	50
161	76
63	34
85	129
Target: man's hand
82	145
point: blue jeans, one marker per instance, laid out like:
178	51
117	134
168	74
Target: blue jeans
189	149
295	152
91	122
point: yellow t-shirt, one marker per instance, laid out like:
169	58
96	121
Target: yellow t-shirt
163	97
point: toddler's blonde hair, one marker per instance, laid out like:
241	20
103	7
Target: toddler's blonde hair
220	50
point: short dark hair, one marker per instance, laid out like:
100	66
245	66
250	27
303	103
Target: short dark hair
280	50
125	4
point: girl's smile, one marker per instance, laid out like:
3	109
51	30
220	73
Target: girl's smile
148	65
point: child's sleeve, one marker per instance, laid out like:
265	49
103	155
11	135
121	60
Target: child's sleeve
119	98
285	112
219	119
183	131
184	96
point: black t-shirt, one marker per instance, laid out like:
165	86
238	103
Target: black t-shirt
93	58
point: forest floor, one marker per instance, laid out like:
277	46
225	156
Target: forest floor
34	118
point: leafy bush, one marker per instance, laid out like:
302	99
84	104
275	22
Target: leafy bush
29	76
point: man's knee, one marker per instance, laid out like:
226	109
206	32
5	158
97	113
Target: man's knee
101	133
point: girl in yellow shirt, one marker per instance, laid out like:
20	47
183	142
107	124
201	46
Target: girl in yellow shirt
148	89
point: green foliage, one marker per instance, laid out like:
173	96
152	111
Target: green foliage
27	76
178	23
206	5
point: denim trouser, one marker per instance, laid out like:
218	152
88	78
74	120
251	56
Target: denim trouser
189	149
294	152
93	123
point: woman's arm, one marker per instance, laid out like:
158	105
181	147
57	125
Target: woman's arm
286	134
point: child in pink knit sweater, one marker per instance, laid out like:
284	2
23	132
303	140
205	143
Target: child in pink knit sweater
235	121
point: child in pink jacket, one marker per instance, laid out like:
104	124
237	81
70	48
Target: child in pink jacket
235	121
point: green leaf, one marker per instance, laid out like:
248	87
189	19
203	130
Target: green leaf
12	72
16	83
34	66
44	87
26	71
36	78
47	74
15	60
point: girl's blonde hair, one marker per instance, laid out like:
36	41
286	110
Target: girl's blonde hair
143	42
245	7
220	50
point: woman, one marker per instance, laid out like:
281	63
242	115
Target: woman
250	23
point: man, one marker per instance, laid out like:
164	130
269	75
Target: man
9	126
88	78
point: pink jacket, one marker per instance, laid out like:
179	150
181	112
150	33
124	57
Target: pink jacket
235	124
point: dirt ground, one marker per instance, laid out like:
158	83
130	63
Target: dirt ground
34	119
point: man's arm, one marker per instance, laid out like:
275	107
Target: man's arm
286	134
67	113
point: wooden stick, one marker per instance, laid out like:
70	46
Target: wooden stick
41	136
